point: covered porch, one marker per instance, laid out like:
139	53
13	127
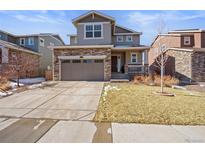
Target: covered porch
129	61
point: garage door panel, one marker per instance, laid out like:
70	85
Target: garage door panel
90	71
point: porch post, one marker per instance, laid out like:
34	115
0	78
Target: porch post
143	61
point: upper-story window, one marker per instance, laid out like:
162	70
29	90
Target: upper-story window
133	58
187	40
30	41
22	41
119	38
41	42
163	48
93	30
128	38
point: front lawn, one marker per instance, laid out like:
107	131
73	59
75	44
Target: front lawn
127	102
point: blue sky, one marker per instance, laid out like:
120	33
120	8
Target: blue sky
28	22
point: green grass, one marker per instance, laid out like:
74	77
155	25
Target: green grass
137	103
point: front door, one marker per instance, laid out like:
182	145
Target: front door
114	63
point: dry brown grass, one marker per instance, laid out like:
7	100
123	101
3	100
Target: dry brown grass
4	84
156	80
137	103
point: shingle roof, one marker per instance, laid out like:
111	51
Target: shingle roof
16	47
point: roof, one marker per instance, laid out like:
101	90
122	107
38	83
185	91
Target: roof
128	29
187	31
75	20
82	46
39	34
16	47
101	46
130	48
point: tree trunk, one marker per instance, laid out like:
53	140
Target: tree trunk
162	72
18	79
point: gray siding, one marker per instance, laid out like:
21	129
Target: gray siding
105	40
72	40
7	37
33	47
46	52
135	41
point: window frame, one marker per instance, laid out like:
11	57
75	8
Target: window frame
131	59
189	40
40	44
119	36
21	41
29	41
128	37
93	30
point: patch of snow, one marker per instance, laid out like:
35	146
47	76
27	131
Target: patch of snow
35	86
3	94
14	84
31	80
109	88
178	87
40	122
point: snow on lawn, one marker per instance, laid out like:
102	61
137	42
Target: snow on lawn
28	81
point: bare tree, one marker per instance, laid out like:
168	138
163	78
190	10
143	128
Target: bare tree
162	57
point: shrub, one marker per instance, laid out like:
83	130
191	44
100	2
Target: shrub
4	84
155	80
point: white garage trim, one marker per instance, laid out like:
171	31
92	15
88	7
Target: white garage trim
81	57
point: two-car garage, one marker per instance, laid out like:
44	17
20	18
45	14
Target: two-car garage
82	69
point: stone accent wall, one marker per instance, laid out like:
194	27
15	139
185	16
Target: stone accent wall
179	64
27	63
198	66
83	52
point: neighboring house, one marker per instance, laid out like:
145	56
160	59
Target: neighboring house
186	54
100	50
14	58
39	43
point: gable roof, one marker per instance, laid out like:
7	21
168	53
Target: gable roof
75	20
16	47
128	31
56	36
186	31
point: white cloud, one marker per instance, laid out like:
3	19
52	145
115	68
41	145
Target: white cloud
147	18
40	17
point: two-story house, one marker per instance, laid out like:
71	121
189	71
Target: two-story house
185	50
100	50
35	43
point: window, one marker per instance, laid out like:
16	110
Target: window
93	31
65	61
87	61
76	61
98	61
75	40
41	42
0	36
22	41
52	44
30	41
133	58
119	38
129	38
163	47
187	40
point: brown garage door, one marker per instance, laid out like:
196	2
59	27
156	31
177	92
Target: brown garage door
87	70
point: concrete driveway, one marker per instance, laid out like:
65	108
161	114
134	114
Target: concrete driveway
64	113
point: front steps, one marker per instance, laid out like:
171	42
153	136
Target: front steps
119	77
